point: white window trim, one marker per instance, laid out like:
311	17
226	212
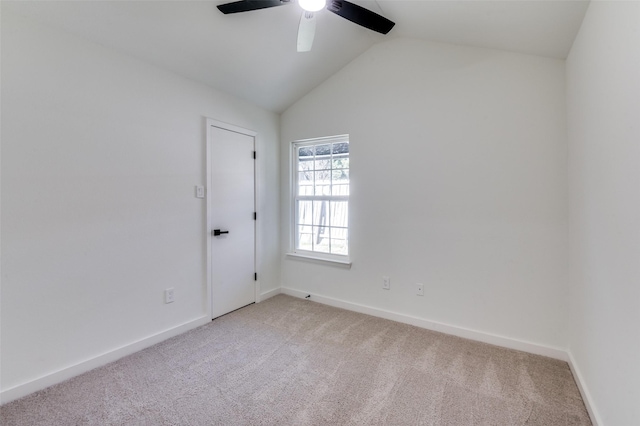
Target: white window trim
316	257
320	260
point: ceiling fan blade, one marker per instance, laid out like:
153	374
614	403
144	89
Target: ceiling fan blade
360	15
306	31
248	5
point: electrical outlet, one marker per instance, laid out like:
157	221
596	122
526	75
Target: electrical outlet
199	191
420	290
386	283
169	296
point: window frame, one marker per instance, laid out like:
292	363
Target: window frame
294	172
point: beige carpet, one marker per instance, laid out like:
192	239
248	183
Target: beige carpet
289	361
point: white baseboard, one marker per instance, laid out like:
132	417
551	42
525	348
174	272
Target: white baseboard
584	391
59	376
268	294
19	391
480	336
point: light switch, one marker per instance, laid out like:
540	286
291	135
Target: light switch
199	191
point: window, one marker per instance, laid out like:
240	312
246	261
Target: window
321	197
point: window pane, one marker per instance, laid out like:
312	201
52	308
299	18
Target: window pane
321	239
323	157
305	212
340	148
339	247
339	213
321	213
323	163
305	238
339	162
340	190
305	183
339	241
340	176
339	233
323	182
340	182
305	152
323	150
323	177
305	164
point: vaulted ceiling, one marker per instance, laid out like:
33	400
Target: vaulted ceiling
253	55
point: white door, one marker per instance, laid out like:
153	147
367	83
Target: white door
232	201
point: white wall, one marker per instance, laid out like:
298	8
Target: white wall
458	166
100	155
603	99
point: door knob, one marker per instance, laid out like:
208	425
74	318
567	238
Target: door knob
217	232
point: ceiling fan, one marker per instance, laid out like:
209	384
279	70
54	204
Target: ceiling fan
307	29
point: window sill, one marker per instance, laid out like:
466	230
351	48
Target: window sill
333	262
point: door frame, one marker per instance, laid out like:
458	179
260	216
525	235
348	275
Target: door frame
209	151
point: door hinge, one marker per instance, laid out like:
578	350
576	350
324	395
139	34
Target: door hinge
255	216
255	276
254	155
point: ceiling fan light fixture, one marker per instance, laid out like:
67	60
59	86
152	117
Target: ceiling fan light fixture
312	5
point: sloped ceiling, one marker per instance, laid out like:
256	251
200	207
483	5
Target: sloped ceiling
253	55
